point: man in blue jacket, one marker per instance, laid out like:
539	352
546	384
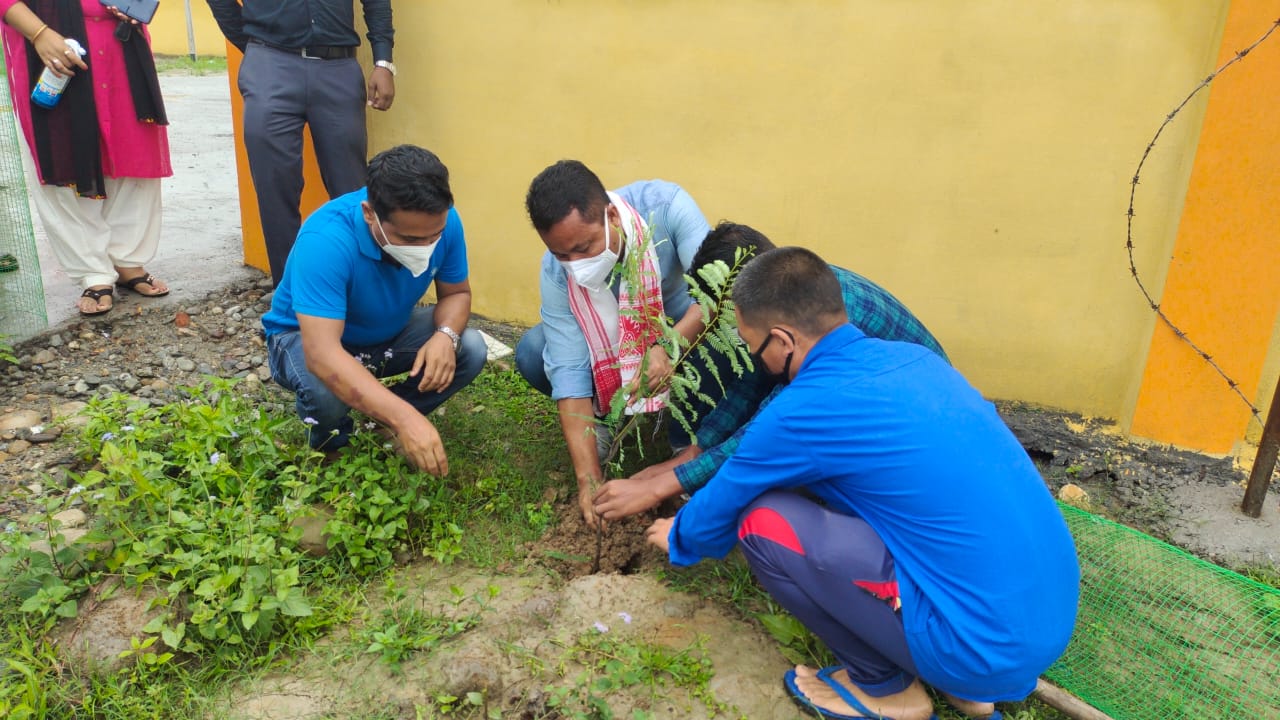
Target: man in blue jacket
881	500
871	308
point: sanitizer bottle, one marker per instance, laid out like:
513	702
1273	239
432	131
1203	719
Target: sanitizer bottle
49	88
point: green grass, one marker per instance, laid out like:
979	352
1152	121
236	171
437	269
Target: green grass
197	498
506	464
1265	574
184	65
168	480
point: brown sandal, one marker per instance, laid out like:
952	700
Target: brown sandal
97	295
133	283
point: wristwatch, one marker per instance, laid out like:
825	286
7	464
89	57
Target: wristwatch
457	339
388	65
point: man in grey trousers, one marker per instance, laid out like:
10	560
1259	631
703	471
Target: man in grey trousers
300	69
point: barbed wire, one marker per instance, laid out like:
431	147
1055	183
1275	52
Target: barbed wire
1133	190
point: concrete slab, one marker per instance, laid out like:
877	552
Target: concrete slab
497	348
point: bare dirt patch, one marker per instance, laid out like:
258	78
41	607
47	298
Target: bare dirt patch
1185	498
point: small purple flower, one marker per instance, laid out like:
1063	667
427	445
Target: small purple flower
214	458
601	627
626	617
387	353
126	428
234	434
108	436
310	420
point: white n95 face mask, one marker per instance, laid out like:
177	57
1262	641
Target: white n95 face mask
592	273
415	258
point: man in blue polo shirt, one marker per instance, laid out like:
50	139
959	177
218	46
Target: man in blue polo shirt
345	312
882	501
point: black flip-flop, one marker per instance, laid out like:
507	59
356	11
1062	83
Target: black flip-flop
97	295
133	283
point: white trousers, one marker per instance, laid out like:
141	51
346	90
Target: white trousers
91	238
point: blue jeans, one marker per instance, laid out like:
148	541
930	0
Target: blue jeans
328	416
529	359
530	366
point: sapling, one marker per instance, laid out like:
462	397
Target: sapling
718	337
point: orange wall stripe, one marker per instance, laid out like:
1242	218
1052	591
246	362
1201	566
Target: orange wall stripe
1223	287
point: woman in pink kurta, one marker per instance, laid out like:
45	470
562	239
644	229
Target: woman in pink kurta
102	214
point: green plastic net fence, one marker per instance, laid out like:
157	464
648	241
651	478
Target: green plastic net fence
1164	635
22	308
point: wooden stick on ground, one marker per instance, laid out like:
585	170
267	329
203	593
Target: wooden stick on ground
1067	703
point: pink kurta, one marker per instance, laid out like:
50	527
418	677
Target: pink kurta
129	148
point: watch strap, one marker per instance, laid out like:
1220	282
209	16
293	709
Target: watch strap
453	336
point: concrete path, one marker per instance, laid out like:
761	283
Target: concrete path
200	249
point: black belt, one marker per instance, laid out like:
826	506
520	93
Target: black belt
314	52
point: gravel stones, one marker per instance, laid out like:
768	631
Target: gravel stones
138	350
20	419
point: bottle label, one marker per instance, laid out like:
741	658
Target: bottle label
49	89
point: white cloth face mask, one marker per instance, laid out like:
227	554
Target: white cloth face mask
592	273
415	258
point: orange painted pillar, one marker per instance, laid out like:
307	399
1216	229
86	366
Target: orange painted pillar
1223	286
313	193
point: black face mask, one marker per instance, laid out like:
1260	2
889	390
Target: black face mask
757	357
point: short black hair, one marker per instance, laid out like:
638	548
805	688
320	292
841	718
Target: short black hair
790	285
723	243
408	177
562	188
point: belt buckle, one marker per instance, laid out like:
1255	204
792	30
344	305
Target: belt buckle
310	57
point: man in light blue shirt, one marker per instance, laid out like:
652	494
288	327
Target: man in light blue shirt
584	225
345	312
882	501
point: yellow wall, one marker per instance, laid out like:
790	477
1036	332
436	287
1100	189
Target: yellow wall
974	158
169	29
1223	288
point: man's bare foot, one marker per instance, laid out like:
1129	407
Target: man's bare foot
910	704
95	300
972	708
